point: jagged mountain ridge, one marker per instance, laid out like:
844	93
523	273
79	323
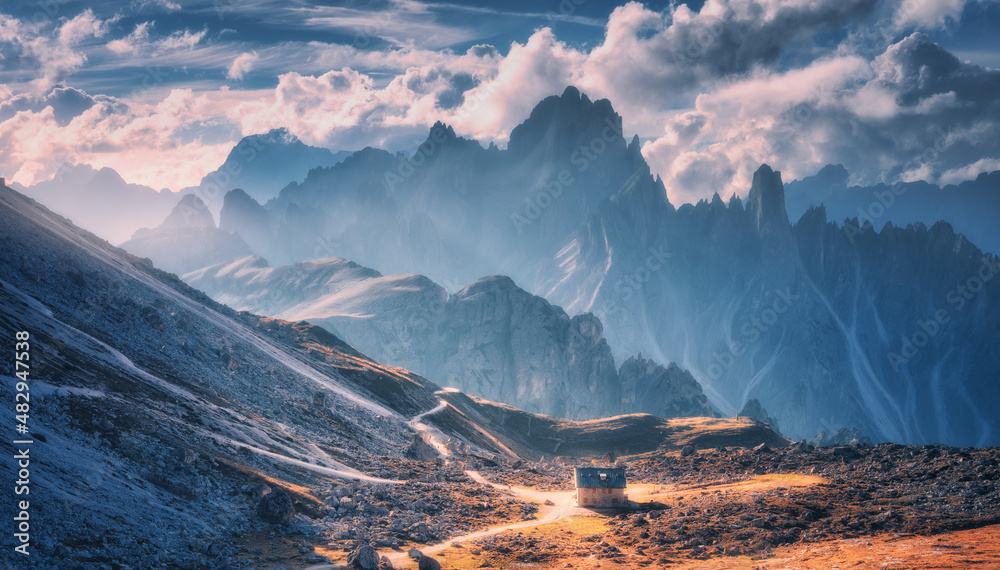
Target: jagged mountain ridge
100	201
453	210
970	207
491	338
804	318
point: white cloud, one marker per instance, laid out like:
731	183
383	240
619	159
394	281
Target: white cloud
927	13
133	42
139	43
141	142
55	55
242	65
400	23
185	39
82	26
970	171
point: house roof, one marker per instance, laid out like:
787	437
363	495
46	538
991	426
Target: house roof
597	477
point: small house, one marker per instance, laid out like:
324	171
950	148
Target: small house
600	487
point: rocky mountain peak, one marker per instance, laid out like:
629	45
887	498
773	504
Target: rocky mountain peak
108	177
568	117
588	326
490	284
189	212
833	175
766	201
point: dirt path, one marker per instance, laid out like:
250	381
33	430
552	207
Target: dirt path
562	506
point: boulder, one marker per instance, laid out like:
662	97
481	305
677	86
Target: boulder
428	563
275	507
420	450
364	558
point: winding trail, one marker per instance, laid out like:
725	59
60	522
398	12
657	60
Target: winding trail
562	503
562	507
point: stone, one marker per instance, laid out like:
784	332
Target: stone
428	563
364	558
420	450
276	507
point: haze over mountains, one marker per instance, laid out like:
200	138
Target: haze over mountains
801	315
491	338
100	201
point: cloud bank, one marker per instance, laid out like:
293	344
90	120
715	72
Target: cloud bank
712	93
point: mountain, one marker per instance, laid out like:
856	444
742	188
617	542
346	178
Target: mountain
970	207
491	338
187	239
815	320
261	165
163	429
102	202
453	210
827	326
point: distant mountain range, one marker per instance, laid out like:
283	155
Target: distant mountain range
828	325
187	239
811	319
970	207
102	202
261	165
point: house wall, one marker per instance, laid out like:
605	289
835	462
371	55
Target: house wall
600	497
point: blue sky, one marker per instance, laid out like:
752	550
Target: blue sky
161	89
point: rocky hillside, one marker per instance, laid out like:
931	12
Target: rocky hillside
160	418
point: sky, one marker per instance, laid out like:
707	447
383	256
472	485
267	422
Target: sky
160	90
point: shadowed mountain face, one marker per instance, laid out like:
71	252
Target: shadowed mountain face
826	326
491	338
